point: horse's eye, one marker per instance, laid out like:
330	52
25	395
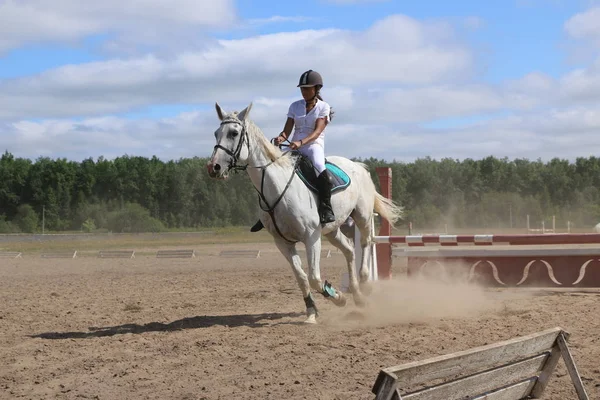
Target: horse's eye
234	133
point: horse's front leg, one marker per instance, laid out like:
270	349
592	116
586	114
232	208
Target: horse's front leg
313	255
289	252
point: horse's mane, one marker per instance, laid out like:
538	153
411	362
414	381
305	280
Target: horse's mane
273	153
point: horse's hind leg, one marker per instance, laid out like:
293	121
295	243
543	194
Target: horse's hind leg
346	246
363	224
289	252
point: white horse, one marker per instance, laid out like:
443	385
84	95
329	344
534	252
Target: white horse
290	208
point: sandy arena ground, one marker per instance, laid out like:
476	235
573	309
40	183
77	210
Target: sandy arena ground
222	328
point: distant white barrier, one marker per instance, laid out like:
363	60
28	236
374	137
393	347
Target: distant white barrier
116	254
240	253
60	254
176	254
10	254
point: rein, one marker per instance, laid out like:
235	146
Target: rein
271	209
233	166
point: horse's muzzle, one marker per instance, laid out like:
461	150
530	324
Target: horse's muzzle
214	171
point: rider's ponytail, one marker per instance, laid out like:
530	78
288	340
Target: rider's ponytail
331	112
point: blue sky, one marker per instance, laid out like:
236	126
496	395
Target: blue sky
516	78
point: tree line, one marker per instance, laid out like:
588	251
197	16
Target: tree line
139	194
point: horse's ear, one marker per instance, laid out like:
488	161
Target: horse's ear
244	113
219	111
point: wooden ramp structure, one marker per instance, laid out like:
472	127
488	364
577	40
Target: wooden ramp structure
510	370
11	254
176	254
116	254
240	253
59	254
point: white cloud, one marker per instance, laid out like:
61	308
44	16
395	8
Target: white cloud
543	134
277	19
395	50
583	35
423	103
582	85
383	82
578	87
109	136
31	21
548	133
585	25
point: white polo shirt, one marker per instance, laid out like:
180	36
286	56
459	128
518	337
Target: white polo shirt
304	124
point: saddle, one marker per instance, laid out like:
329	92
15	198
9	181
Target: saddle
306	171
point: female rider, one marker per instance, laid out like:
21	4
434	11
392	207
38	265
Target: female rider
309	117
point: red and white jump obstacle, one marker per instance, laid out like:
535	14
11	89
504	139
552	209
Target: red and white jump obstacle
482	260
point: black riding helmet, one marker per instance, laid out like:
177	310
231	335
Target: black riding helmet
310	78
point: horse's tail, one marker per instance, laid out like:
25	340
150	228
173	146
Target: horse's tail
388	209
385	207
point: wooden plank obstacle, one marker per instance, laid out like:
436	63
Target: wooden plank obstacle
11	254
116	254
240	253
59	254
176	254
509	370
484	262
545	266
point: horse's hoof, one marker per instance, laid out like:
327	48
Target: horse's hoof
311	319
340	301
366	288
311	315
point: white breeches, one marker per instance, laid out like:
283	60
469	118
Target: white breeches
316	154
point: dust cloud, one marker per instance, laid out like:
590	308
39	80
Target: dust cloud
422	299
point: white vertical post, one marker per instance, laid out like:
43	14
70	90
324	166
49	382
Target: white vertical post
373	275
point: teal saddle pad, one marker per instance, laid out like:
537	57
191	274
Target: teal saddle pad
306	172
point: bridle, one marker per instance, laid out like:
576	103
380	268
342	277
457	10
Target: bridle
235	154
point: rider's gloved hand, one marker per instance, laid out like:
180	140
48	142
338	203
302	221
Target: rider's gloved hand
278	140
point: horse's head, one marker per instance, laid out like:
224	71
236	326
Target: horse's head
232	143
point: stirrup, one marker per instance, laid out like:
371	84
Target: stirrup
257	226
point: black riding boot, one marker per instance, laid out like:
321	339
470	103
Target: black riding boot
257	226
324	186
